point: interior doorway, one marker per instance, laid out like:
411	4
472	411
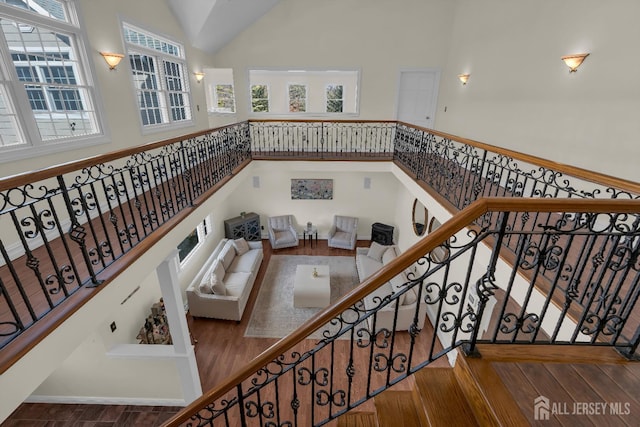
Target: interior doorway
418	96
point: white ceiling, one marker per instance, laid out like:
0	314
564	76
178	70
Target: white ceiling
211	24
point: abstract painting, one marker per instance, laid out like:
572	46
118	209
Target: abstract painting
312	189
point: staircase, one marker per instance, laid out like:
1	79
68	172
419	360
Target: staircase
473	393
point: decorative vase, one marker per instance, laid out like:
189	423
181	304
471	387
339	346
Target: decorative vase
309	226
315	273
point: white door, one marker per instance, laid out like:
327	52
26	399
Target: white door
417	97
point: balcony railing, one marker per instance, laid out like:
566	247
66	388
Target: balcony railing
64	228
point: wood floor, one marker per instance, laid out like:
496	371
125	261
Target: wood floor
221	349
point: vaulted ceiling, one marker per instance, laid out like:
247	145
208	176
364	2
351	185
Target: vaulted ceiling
211	24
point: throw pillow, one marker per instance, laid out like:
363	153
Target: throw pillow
376	250
218	269
227	255
410	297
389	255
217	285
241	246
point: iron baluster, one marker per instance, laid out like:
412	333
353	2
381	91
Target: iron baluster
77	233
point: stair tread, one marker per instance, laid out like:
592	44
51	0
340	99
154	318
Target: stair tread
358	419
396	408
443	398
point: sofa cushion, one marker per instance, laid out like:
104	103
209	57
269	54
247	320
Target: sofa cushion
367	266
376	250
283	237
389	255
241	246
245	263
217	285
374	298
227	254
398	284
236	282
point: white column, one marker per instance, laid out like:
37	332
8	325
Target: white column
167	273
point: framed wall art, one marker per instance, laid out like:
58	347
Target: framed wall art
305	189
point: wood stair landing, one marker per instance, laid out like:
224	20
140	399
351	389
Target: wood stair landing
443	400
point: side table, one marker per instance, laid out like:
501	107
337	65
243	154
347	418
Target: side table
309	233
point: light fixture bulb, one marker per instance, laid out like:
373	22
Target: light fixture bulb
464	78
574	61
199	76
112	59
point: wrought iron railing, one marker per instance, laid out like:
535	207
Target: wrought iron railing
461	171
351	351
322	139
61	228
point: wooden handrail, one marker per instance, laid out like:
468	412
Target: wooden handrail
459	221
24	178
587	175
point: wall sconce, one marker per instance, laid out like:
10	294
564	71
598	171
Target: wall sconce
199	77
112	59
574	61
464	78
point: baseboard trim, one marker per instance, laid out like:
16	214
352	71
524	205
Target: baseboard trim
87	400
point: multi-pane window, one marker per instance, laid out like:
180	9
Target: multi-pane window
48	71
260	98
335	100
193	240
297	98
225	99
159	76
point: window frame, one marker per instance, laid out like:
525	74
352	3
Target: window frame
326	98
216	99
159	59
277	80
203	231
268	98
18	105
306	97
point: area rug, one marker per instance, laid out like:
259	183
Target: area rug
274	315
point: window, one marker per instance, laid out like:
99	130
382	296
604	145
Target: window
297	98
260	98
225	99
334	99
300	92
220	93
158	70
193	240
47	97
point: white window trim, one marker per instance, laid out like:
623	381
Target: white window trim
161	127
34	146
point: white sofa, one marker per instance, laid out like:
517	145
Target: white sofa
368	261
222	287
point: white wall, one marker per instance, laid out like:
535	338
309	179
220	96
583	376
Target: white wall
520	94
378	37
350	198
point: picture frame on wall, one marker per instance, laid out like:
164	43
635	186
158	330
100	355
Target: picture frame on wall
311	189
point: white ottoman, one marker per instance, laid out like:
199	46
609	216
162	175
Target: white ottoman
309	291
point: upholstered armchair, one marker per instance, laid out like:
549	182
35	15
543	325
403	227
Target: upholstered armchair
282	233
343	232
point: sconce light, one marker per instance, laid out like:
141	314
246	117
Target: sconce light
574	61
113	59
199	77
464	78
